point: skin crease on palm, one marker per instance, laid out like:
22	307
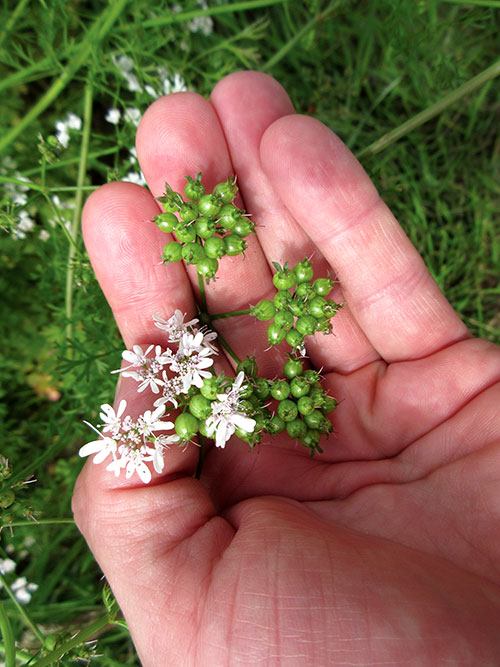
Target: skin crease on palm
383	550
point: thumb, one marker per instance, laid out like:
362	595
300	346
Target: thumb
156	545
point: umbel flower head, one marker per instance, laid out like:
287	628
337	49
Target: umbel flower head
130	443
227	414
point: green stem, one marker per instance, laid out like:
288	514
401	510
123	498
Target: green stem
42	522
233	313
22	610
210	11
75	225
12	19
8	638
203	296
96	33
435	109
477	3
228	349
299	35
84	635
201	457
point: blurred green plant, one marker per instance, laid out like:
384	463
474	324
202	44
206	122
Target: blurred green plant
396	80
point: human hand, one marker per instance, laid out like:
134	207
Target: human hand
385	547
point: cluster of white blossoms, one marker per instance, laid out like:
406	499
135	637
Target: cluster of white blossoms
173	375
20	587
70	122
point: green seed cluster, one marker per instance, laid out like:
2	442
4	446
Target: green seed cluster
299	308
303	406
207	227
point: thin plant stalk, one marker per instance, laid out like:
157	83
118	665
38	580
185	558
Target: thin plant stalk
97	32
233	313
75	225
22	610
84	635
9	644
231	8
299	35
434	110
227	347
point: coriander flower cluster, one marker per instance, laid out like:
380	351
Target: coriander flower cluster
181	378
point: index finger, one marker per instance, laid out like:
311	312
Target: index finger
384	280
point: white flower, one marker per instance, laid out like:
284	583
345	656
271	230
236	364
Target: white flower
149	422
162	443
178	84
111	418
7	565
44	235
132	115
226	416
133	460
192	369
202	24
175	325
113	116
71	122
23	590
134	177
102	448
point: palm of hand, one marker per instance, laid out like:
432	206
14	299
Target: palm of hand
382	544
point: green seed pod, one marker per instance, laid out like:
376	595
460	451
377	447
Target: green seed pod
306	324
264	310
186	234
194	189
284	319
209	205
288	410
323	286
296	428
167	222
200	406
210	388
316	307
261	388
207	267
284	279
235	245
294	338
243	227
292	368
172	252
310	438
215	247
282	300
305	405
303	290
275	425
329	405
186	426
280	389
299	386
226	191
248	366
275	334
193	253
229	216
188	211
298	307
205	227
303	271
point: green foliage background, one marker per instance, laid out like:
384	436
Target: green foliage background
363	68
